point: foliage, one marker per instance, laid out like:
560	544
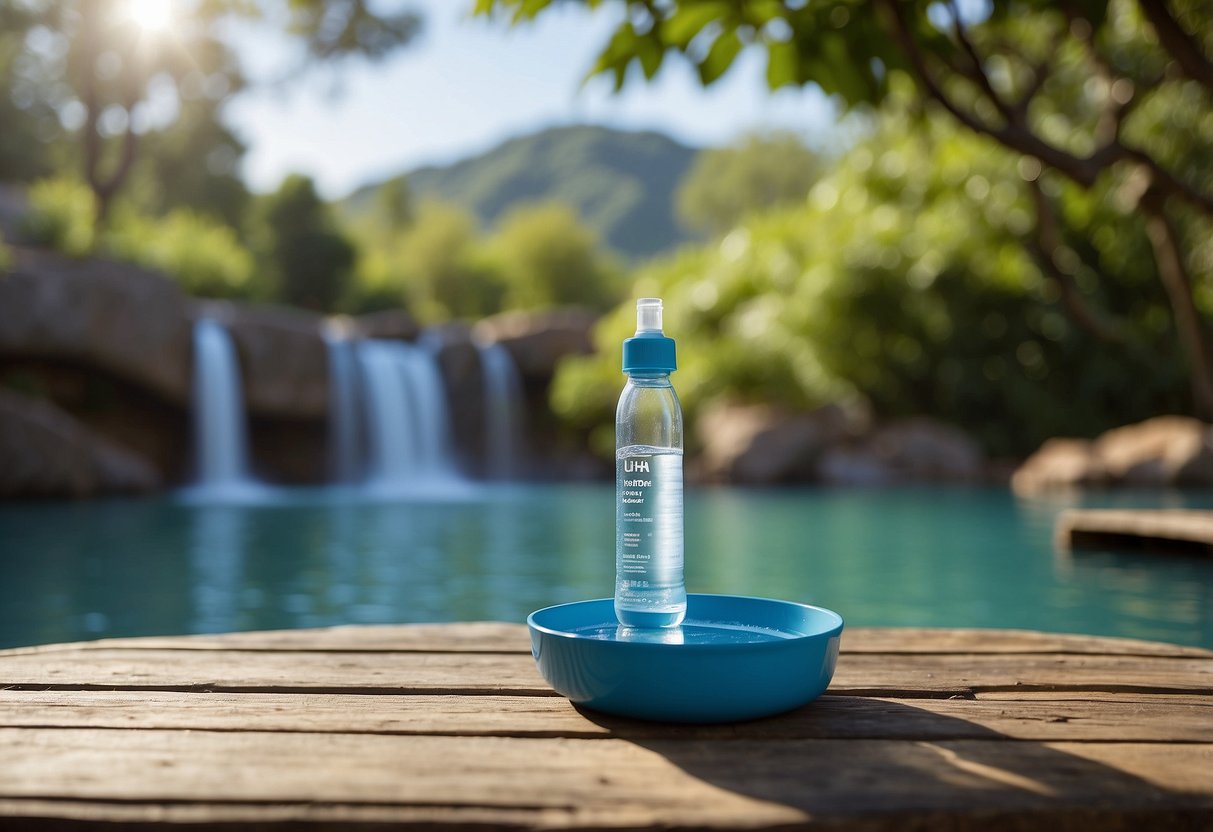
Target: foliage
204	256
61	216
548	258
902	279
30	123
442	267
1067	86
757	174
620	184
6	257
309	259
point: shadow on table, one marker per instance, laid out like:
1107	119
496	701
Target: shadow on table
878	762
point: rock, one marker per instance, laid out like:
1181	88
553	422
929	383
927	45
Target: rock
459	362
117	318
1160	452
1163	451
538	340
283	358
44	452
913	450
921	449
760	444
390	323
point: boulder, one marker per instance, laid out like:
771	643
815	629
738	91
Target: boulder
761	444
1058	464
395	324
1163	451
44	452
538	340
912	450
114	317
283	358
921	449
459	362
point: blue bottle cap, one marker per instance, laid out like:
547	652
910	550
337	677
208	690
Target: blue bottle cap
649	350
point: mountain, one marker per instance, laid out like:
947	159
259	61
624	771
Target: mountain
621	183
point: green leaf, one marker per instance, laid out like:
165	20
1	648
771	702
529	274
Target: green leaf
783	64
650	51
687	21
720	57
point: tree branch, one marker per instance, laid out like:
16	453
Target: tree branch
978	71
1173	271
1044	250
1183	48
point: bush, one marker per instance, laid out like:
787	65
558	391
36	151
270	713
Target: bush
205	257
6	256
61	216
903	279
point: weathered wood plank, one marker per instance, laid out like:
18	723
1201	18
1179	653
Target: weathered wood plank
504	637
1181	530
457	637
611	782
920	640
322	817
873	674
1041	717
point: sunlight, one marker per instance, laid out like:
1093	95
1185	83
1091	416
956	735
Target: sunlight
152	16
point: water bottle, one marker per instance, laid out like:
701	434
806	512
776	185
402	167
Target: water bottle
649	586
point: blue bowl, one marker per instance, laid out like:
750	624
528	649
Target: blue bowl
733	658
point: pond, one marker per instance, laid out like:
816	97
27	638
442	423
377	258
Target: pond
939	556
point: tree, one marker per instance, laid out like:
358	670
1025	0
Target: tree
756	174
310	260
1073	87
549	258
116	51
445	270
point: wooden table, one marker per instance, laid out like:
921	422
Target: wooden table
450	725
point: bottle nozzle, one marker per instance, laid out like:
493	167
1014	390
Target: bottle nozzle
648	315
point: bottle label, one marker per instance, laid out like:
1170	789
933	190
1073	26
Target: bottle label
649	525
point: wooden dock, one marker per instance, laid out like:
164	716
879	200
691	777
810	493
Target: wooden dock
451	726
1176	530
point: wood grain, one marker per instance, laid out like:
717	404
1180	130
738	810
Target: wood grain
661	782
299	671
504	637
1027	716
451	726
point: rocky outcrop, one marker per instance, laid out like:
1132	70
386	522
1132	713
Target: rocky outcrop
1059	464
44	452
283	358
395	324
1159	452
459	363
118	318
760	444
912	450
1166	450
538	340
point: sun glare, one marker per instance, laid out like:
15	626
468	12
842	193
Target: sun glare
152	16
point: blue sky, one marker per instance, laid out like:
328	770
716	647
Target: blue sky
470	83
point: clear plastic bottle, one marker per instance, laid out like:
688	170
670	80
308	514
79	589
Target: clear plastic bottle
649	586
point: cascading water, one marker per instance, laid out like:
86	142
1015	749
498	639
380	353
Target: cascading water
220	421
408	442
344	456
503	411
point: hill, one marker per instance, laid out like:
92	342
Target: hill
621	183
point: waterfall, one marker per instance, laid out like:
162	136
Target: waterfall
503	411
406	416
220	422
344	457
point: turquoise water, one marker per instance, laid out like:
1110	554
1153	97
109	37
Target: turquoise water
937	557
